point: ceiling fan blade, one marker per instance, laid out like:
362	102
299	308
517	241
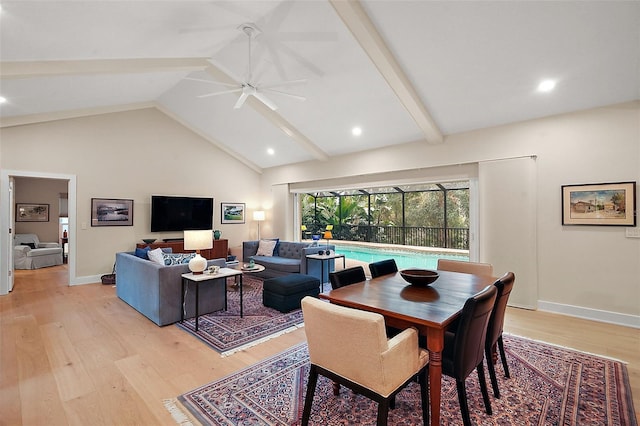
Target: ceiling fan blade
291	95
241	100
283	83
262	98
210	81
224	92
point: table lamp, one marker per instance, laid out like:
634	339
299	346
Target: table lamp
198	240
258	216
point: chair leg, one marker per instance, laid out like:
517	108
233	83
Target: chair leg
503	357
336	388
464	407
483	388
492	373
383	412
423	379
308	400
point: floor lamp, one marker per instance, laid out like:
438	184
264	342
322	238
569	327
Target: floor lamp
258	216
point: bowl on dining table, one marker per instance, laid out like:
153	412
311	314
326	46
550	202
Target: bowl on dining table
419	277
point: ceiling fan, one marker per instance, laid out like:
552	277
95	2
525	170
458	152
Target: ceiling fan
248	87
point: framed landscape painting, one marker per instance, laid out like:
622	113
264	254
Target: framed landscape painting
26	212
111	212
612	204
232	212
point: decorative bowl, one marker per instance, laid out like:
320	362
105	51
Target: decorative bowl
149	240
419	277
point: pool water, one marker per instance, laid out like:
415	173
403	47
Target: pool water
404	259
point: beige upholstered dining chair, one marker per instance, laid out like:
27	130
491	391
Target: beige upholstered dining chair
350	346
476	268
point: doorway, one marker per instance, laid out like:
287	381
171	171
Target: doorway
7	224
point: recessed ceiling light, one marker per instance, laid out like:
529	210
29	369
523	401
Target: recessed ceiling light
546	85
356	131
270	151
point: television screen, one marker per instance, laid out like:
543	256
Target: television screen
173	213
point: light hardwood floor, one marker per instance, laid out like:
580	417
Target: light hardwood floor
80	356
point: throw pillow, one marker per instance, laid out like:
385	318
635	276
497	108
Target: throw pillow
265	248
143	253
177	258
156	256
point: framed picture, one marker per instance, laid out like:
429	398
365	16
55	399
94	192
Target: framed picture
26	212
232	212
111	212
612	204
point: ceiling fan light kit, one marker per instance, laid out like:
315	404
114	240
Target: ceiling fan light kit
248	87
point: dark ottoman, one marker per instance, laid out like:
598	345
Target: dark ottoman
285	293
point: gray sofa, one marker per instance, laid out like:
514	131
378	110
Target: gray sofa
288	258
154	290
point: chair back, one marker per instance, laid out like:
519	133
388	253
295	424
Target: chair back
468	347
383	267
475	268
347	276
496	322
349	342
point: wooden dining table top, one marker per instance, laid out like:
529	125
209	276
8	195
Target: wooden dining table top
433	306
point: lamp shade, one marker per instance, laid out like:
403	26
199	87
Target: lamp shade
303	227
198	240
329	228
328	235
258	215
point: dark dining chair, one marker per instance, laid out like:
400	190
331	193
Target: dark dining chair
494	330
347	276
383	267
464	348
351	347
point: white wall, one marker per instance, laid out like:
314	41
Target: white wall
590	271
129	155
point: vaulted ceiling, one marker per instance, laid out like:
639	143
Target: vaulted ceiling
402	71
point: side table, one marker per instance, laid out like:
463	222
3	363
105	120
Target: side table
322	258
197	279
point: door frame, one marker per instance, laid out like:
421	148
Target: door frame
6	243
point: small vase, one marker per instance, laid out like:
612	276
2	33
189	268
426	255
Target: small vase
217	234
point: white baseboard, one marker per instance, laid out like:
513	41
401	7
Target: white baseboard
591	314
89	279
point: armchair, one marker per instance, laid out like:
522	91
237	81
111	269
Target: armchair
30	253
350	347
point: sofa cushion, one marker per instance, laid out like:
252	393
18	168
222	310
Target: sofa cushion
282	264
265	248
143	253
155	255
177	258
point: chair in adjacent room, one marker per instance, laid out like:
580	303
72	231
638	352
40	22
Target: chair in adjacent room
350	347
464	348
476	268
347	276
383	267
494	330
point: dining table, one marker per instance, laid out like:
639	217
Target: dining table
430	309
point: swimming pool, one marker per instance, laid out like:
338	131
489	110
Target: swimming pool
404	258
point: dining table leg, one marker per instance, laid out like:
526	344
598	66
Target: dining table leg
435	344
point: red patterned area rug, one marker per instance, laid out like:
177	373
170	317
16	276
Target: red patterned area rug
549	385
227	333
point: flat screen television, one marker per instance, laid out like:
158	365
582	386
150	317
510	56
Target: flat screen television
176	213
